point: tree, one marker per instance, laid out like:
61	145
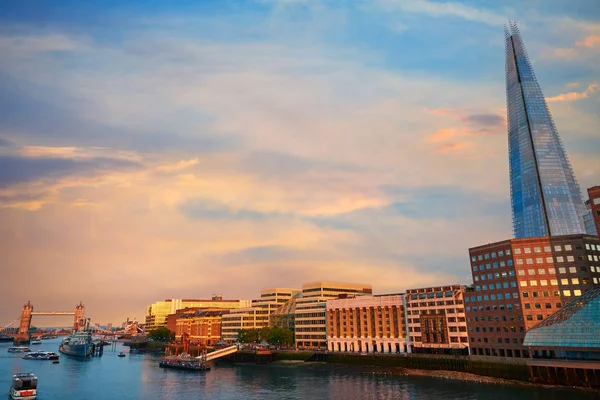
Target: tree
161	335
264	333
247	335
279	336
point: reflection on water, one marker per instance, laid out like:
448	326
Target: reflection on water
139	377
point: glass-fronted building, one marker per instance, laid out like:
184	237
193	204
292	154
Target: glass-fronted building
573	332
545	197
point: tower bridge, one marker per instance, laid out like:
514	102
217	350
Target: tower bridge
27	314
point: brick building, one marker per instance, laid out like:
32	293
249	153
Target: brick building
436	320
520	282
201	327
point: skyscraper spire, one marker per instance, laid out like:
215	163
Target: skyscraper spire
545	197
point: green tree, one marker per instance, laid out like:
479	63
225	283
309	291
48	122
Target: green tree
161	335
247	335
279	336
264	333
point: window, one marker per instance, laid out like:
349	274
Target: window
557	248
548	305
517	251
507	296
513	284
508	252
537	305
570	259
493	255
502	264
527	306
533	283
487	256
480	257
500	253
575	281
560	259
505	285
576	292
525	294
529	318
567	293
473	258
551	270
573	270
531	271
521	272
568	247
547	249
562	270
527	250
541	271
537	249
509	263
554	282
539	317
549	259
587	246
523	283
529	261
476	278
475	268
564	281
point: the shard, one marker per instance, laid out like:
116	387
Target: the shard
545	197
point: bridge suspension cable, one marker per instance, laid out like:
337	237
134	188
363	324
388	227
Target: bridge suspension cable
5	327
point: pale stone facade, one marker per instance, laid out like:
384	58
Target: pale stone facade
366	324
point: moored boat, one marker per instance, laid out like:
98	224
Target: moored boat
41	355
23	387
19	349
78	344
36	342
184	363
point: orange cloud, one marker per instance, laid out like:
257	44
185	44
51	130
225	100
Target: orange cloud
452	147
574	96
441	135
590	41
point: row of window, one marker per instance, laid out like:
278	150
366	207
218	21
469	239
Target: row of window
496	275
494	265
528	250
434	303
492	286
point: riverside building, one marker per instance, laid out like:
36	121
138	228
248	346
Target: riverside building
257	316
202	327
157	313
594	206
520	282
366	324
310	312
436	320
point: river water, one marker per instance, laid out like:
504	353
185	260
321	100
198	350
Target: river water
139	377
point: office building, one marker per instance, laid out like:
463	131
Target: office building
257	316
436	320
202	327
157	313
309	314
366	324
594	206
545	197
520	282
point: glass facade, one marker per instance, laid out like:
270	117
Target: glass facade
545	197
576	325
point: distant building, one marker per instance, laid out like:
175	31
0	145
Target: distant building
201	327
520	282
436	320
310	311
257	316
594	206
109	326
156	313
366	324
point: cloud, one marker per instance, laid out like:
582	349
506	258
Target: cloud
446	9
589	41
18	169
574	96
491	120
6	143
442	135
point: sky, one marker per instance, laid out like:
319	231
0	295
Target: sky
153	150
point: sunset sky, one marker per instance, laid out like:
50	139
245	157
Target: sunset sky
152	150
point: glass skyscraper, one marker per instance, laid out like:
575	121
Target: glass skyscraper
545	197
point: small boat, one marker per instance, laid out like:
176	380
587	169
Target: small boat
23	387
41	355
18	349
121	354
184	363
36	342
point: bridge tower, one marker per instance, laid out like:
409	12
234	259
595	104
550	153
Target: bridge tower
79	320
22	336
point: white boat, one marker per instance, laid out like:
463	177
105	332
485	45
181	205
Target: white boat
36	342
41	355
18	349
23	387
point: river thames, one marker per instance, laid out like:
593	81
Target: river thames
138	376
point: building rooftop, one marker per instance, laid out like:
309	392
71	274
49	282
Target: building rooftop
576	325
